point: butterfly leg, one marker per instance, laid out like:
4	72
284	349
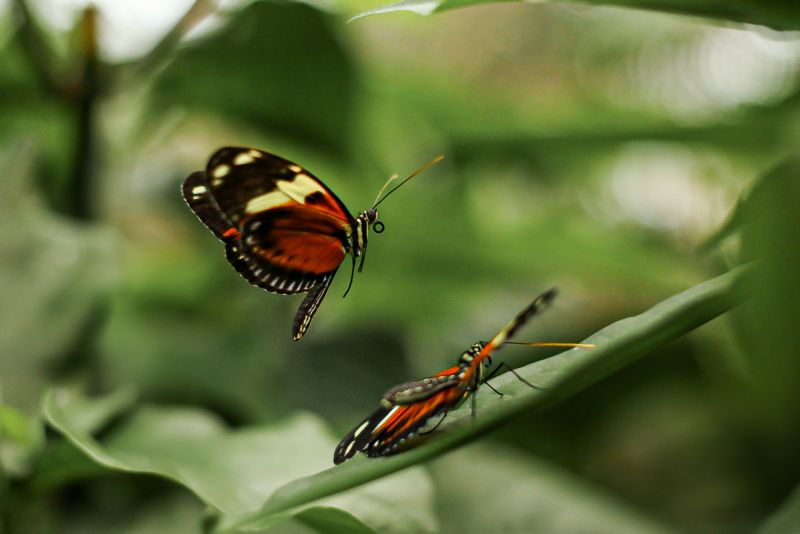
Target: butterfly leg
494	389
444	415
511	369
350	283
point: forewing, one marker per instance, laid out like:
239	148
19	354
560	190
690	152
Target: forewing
420	390
358	438
246	181
197	194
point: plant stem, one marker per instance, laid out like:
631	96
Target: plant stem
80	183
159	54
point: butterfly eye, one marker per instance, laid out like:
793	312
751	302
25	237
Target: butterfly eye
378	227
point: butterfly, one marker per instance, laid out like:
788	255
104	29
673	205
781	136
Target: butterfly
283	229
407	408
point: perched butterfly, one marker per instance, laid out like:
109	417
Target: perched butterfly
283	229
407	408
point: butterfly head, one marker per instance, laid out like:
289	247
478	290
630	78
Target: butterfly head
371	217
371	214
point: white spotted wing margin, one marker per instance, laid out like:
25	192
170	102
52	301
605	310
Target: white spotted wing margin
359	438
197	195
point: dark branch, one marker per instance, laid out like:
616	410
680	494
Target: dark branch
80	184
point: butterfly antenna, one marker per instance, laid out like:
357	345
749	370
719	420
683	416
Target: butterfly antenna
425	167
391	179
352	272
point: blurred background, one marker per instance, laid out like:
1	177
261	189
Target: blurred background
593	149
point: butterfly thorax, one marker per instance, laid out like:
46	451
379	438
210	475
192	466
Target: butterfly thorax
358	239
472	365
469	355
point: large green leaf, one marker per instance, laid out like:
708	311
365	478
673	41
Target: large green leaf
236	471
767	325
534	496
618	345
60	463
276	67
780	14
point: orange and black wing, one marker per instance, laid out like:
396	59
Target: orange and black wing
386	429
360	437
283	229
404	421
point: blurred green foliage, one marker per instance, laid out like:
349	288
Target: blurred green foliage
597	149
780	14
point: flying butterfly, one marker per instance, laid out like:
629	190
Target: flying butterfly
407	408
284	230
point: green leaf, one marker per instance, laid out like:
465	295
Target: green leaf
618	345
779	14
770	223
236	471
276	67
20	437
534	496
92	415
754	204
326	519
786	519
17	427
60	463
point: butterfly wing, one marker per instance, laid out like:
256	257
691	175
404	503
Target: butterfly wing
283	229
246	180
197	194
404	410
357	439
420	390
309	307
403	423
